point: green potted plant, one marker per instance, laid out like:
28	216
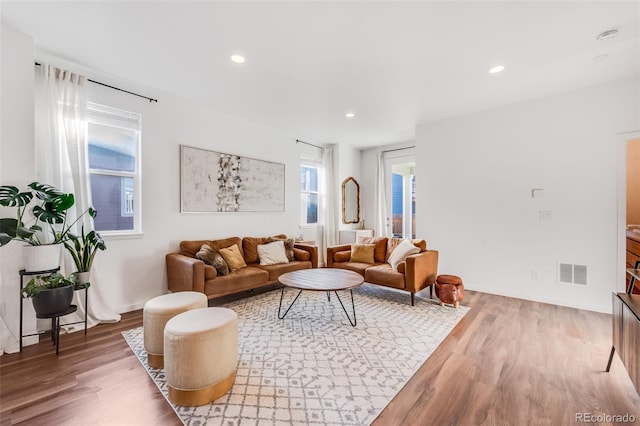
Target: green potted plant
83	249
48	207
50	294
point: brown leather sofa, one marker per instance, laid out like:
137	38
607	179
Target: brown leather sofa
417	272
186	273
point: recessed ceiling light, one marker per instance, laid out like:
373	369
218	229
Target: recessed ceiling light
237	59
600	58
607	35
496	69
349	115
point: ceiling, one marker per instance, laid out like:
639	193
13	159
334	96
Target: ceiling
394	64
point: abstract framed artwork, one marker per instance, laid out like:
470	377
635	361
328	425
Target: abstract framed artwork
213	181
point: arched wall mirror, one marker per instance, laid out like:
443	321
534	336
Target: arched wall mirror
350	201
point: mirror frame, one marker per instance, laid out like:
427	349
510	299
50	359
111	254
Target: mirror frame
356	201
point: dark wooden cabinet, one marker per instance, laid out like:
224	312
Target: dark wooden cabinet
626	334
633	256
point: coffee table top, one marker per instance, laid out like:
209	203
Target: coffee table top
321	279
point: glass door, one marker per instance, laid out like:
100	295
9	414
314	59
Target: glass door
401	189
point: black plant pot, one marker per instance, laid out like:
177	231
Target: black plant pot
52	301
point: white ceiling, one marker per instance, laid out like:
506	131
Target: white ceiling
395	64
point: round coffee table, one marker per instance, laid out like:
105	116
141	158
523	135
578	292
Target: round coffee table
321	279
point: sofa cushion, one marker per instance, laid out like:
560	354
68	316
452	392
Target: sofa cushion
276	270
385	275
233	257
272	253
190	248
380	251
401	252
214	258
420	243
300	254
250	248
353	266
362	253
342	256
243	279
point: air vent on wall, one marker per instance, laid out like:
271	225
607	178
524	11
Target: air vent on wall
572	274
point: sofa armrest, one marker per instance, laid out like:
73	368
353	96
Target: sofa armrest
333	250
312	250
185	273
421	270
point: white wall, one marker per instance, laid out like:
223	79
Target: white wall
474	204
16	167
137	266
132	270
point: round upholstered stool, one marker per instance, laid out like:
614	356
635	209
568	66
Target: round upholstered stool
200	355
155	315
449	289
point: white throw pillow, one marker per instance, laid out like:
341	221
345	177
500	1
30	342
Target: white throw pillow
401	252
272	253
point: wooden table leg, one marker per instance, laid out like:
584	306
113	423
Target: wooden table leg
613	350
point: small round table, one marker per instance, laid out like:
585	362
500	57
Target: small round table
321	279
55	324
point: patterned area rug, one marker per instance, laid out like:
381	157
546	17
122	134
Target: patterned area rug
313	367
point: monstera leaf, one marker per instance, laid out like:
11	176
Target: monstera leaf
8	227
44	191
50	207
10	196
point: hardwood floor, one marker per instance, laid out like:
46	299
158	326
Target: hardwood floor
509	361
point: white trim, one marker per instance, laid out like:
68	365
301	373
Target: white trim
130	308
115	235
623	138
605	307
136	175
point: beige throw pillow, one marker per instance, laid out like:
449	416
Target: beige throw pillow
272	253
233	257
401	252
362	253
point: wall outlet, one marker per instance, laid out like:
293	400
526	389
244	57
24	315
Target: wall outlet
535	275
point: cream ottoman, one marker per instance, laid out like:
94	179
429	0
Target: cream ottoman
200	355
155	315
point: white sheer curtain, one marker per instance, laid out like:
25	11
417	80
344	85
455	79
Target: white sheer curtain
61	161
329	207
381	198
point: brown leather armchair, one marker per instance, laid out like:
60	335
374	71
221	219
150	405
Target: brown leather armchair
417	272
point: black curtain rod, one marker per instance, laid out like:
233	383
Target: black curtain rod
113	87
399	149
307	143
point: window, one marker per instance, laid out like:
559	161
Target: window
114	168
309	192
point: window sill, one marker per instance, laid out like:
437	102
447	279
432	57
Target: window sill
121	236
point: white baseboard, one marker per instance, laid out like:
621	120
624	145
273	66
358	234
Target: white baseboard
129	308
605	307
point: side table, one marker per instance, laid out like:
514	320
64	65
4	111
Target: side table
55	318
